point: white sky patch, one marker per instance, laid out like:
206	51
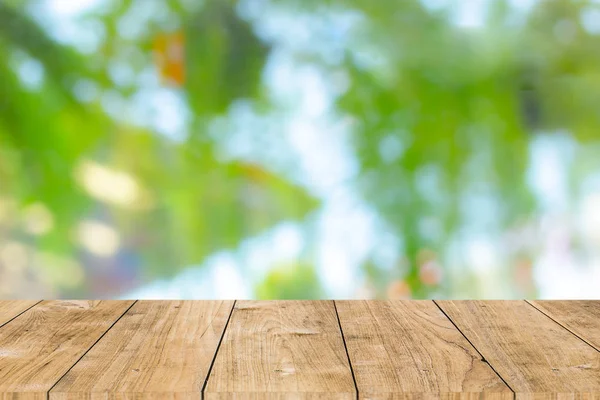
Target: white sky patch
114	104
121	73
218	278
567	278
70	8
170	114
523	5
435	5
282	244
589	220
391	148
31	73
470	13
347	234
481	254
320	141
226	278
590	19
86	90
547	175
473	13
60	18
323	161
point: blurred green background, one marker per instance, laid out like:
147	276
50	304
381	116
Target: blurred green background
299	148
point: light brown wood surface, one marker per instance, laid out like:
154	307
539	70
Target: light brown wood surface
403	349
159	349
282	350
9	309
582	317
296	350
534	355
39	346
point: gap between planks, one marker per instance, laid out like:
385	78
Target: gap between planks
346	349
535	354
25	309
341	330
282	350
157	348
46	394
476	349
39	345
212	363
90	348
563	325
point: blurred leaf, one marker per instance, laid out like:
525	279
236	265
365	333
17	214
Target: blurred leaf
290	282
224	58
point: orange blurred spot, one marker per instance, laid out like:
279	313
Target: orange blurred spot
254	172
431	273
398	290
523	273
169	56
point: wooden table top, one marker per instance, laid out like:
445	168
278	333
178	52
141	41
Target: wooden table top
299	350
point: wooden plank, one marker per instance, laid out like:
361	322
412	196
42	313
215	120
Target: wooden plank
534	355
11	308
159	349
282	350
406	349
582	317
40	345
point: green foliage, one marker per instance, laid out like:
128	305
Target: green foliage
441	116
187	203
290	282
224	59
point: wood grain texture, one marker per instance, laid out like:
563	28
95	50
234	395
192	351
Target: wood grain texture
403	349
158	349
11	308
537	358
40	345
582	317
282	350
